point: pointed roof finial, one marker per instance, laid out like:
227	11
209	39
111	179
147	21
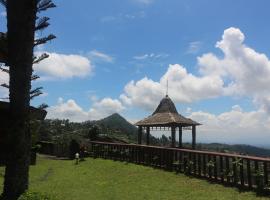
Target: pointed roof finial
167	88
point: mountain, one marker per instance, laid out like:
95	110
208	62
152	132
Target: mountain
118	126
117	122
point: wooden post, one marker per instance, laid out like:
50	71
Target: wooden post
249	174
147	135
180	145
265	169
221	169
193	136
140	135
242	180
173	136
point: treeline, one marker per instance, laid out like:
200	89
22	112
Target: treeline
115	128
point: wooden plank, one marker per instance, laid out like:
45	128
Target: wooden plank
227	164
138	152
199	165
181	161
180	137
204	165
235	177
242	180
195	151
147	135
140	135
185	162
193	137
256	165
209	166
265	172
215	167
221	170
189	162
194	160
249	174
173	136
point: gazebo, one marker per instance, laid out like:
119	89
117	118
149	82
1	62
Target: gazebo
166	116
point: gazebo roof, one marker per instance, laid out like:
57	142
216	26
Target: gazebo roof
166	115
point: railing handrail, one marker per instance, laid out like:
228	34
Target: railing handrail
255	158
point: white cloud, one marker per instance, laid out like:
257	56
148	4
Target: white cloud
183	87
241	72
105	107
247	71
67	110
108	19
72	111
234	126
123	17
63	66
144	2
150	56
98	56
194	47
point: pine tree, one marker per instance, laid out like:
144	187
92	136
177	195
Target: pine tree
17	55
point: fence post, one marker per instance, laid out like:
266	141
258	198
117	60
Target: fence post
249	174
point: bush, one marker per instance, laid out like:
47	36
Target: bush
35	196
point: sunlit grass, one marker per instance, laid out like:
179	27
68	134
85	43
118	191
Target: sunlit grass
99	179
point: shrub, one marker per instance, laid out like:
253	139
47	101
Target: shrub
35	196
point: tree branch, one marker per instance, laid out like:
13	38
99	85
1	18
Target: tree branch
44	39
43	5
42	23
40	58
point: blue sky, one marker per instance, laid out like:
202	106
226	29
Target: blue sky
215	55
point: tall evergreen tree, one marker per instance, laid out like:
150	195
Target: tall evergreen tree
22	22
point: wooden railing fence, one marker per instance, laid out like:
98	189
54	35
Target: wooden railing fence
233	169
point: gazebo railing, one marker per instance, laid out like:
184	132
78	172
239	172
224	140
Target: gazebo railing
233	169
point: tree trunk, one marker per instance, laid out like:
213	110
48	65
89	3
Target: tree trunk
21	16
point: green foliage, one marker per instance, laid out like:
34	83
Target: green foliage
93	132
238	162
210	164
36	196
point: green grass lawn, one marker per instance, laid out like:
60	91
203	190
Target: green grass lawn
99	179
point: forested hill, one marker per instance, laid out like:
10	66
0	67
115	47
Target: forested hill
116	126
240	148
117	122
